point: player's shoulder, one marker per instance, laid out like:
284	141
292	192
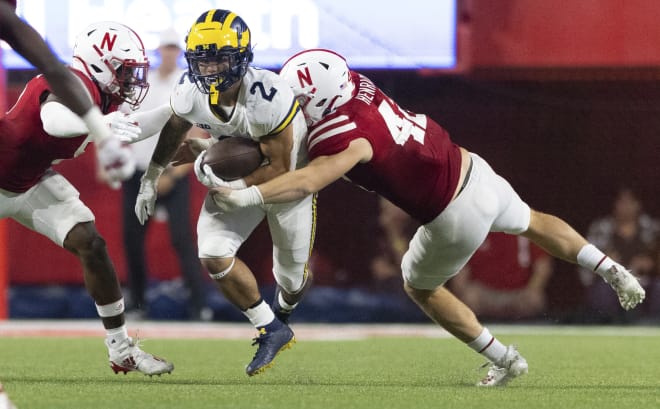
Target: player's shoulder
183	94
335	129
268	100
89	84
264	86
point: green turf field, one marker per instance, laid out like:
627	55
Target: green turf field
584	368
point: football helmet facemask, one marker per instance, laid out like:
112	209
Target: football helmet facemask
113	56
321	81
218	50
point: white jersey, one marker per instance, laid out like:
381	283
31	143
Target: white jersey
265	106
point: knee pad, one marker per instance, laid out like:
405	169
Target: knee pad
218	247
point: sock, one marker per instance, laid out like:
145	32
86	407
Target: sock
285	305
595	260
488	346
111	310
115	336
260	314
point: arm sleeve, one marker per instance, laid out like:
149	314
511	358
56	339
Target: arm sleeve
153	120
61	122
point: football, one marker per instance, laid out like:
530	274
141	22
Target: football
233	158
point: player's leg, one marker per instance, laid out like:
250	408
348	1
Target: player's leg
562	241
177	203
53	209
134	235
5	402
292	227
220	235
442	247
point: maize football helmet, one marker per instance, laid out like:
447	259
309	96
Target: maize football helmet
321	81
219	43
113	56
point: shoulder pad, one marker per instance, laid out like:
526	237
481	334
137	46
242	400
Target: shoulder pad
183	96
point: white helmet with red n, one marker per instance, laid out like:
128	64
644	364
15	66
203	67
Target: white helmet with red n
113	55
320	79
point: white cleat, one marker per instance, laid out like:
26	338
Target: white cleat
128	356
627	287
5	402
510	366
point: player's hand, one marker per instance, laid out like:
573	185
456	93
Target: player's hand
229	199
190	149
146	199
207	178
116	161
124	126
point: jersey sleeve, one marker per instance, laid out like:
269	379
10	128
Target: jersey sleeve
182	98
93	90
328	147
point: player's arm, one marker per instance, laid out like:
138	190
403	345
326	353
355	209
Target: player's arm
28	43
169	140
290	186
171	136
278	149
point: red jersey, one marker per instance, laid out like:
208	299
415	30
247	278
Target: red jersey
415	164
504	261
26	150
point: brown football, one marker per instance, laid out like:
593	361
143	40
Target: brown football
233	158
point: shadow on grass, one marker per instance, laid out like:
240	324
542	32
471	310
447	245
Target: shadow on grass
293	382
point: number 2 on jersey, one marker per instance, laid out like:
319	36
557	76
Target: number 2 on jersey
401	124
260	86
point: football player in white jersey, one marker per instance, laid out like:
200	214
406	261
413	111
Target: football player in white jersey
225	96
358	131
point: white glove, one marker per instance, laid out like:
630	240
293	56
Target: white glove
124	126
146	199
229	199
207	178
116	160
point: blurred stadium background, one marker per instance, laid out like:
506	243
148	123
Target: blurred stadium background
562	99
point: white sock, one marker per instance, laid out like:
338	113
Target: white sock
260	315
111	310
595	260
115	336
488	346
285	305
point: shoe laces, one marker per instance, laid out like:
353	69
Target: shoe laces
130	342
260	338
506	361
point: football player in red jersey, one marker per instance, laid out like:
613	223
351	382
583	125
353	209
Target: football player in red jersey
110	62
358	131
63	83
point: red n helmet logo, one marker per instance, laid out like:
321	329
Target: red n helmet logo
108	42
304	77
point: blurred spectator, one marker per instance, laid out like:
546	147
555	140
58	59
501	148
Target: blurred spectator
505	279
173	203
628	235
396	228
